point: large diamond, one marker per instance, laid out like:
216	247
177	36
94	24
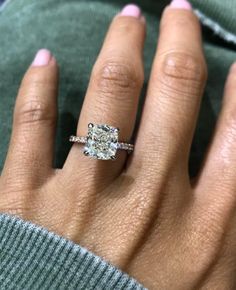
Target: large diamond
102	142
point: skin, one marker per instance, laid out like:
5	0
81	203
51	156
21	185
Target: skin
142	213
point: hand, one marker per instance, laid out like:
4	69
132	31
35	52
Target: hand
141	212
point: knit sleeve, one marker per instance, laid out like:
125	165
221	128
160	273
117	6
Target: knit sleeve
31	257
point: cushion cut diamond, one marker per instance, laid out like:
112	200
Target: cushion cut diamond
102	142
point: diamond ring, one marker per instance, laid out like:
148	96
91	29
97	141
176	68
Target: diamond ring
102	142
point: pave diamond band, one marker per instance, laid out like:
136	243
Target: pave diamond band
102	142
120	145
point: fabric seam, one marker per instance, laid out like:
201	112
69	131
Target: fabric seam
205	20
216	27
4	4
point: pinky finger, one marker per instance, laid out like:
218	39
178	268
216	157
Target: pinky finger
217	181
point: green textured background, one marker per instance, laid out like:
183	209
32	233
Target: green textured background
74	31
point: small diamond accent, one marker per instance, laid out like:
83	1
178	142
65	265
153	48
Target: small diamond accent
78	139
102	141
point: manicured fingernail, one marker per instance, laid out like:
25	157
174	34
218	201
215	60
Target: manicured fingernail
42	58
180	4
131	10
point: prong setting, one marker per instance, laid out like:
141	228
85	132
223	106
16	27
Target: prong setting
117	130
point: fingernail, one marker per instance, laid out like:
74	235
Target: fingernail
180	4
131	10
42	58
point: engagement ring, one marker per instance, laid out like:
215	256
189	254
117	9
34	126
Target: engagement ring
102	142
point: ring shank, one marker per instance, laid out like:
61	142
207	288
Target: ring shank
121	145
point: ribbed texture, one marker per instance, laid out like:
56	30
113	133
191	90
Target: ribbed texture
33	258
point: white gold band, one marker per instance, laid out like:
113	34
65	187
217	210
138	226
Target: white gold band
120	145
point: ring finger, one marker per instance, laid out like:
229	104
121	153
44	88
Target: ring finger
113	91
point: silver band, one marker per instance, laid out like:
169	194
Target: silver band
120	145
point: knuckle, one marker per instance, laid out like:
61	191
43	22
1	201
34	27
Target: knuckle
117	76
12	206
182	72
34	111
13	201
204	236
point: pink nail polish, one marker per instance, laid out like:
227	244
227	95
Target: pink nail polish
42	58
131	10
180	4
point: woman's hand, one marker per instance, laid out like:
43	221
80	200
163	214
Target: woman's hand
140	212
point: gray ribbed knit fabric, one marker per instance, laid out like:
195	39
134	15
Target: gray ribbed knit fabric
33	258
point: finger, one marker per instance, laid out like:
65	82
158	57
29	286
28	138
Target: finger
222	272
32	141
176	85
217	180
215	186
115	85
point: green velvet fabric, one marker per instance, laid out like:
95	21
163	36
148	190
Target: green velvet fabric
74	30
